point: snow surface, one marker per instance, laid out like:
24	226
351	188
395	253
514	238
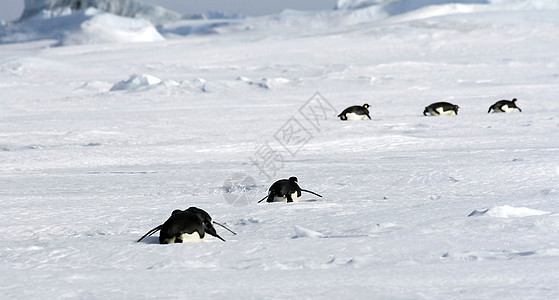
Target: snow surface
86	171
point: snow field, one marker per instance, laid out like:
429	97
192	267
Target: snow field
87	171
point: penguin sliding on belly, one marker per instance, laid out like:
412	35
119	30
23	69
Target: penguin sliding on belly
189	225
505	106
441	109
355	113
286	190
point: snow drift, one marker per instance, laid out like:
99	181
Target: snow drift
135	82
507	211
90	26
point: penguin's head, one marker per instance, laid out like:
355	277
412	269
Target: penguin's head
210	229
206	220
456	107
293	179
514	100
366	106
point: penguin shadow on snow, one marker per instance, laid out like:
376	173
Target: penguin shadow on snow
286	190
189	225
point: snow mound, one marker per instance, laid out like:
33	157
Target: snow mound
301	232
507	211
265	83
104	28
90	26
136	82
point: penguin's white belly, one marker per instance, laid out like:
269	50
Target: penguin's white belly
507	109
187	238
355	117
284	199
443	112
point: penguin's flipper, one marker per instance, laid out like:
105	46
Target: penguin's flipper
520	110
262	199
225	228
311	192
368	116
149	233
490	108
289	198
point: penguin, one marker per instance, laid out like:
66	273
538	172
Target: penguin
285	190
355	113
441	109
189	225
505	106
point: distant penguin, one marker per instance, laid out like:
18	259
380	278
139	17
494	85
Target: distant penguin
505	106
189	225
441	109
285	190
355	113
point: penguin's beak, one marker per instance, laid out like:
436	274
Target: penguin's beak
211	231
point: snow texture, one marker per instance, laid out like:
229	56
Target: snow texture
86	171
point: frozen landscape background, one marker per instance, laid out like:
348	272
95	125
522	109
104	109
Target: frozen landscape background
108	124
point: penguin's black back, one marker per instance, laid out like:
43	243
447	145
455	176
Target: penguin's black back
446	106
498	106
283	188
356	109
202	214
179	223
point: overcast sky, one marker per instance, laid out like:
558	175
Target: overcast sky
11	9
